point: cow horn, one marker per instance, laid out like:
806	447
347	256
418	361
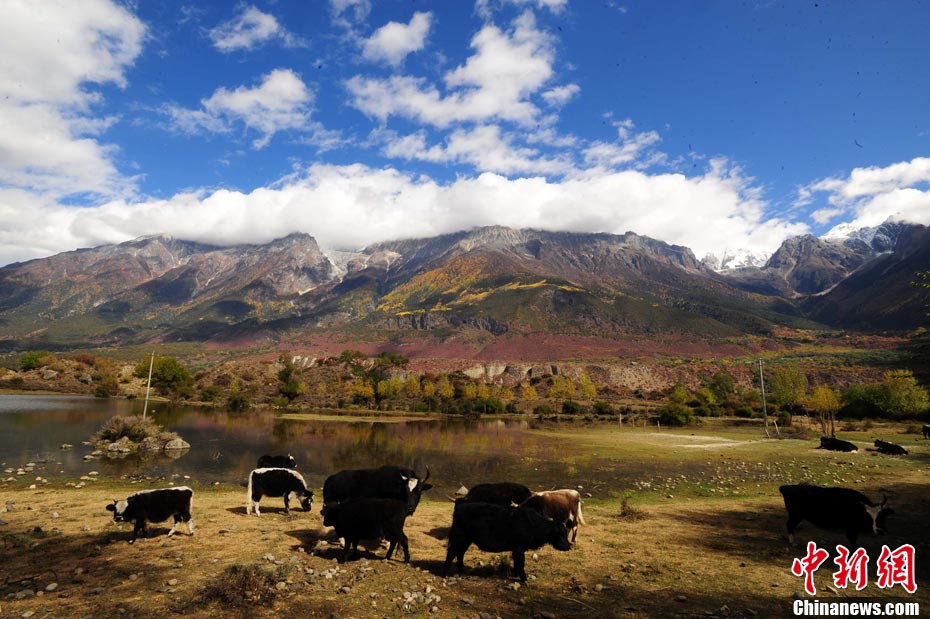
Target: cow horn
427	474
884	500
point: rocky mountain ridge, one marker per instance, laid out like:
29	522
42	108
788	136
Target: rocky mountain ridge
493	280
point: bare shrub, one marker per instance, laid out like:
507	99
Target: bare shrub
245	585
628	511
134	428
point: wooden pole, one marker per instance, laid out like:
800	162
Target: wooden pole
148	386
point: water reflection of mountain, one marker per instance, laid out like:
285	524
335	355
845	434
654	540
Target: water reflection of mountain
225	446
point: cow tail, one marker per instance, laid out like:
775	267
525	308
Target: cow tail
248	498
580	517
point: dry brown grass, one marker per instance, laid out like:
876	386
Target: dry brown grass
687	557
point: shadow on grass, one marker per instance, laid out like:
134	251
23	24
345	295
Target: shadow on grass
96	572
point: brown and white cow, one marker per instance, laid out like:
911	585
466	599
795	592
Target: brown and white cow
560	505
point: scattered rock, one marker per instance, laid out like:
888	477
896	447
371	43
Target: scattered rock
681	598
178	443
51	587
66	445
173	582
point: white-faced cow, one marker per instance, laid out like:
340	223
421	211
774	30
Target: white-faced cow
277	482
503	493
834	509
891	449
359	519
835	444
494	528
560	505
385	482
277	462
155	506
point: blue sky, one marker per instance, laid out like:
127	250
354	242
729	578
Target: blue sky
721	126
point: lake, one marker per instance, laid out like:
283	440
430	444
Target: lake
225	445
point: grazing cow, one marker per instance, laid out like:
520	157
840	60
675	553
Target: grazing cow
926	431
358	519
835	444
155	506
277	462
834	508
386	482
560	505
503	493
277	482
494	528
892	449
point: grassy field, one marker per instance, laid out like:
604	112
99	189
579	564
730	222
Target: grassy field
708	541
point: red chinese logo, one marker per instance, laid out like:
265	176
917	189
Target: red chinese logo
852	568
809	564
897	568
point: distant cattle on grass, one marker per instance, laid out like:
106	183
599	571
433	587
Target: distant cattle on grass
503	493
892	449
834	509
835	444
277	482
560	505
926	431
155	506
494	528
359	519
277	462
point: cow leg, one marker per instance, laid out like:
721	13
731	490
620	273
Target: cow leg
519	563
287	504
346	549
574	525
852	535
403	544
792	525
139	525
391	548
174	528
190	525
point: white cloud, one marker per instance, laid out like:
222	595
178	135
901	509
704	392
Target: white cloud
495	83
392	42
248	30
484	147
628	148
50	55
348	13
557	97
353	206
483	7
282	101
874	194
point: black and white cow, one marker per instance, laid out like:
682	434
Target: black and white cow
155	506
277	482
385	482
503	493
359	519
926	431
494	528
892	449
277	462
835	444
834	509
